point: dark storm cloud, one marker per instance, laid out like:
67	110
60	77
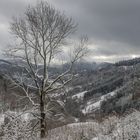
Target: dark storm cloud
113	26
117	20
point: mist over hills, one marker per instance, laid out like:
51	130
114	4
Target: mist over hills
80	66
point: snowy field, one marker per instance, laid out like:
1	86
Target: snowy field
1	118
96	105
79	95
112	128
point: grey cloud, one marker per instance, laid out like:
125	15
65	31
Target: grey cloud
113	25
8	9
106	21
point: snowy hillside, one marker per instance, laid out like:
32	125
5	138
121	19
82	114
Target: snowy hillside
92	106
91	94
79	95
112	128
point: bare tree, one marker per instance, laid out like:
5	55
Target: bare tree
40	36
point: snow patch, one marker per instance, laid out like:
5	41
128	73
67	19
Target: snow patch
79	95
96	105
1	118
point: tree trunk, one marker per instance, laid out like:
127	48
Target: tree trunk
42	115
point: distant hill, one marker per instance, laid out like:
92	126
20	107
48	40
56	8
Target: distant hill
97	87
128	62
114	88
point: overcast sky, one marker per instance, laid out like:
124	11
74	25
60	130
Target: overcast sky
113	26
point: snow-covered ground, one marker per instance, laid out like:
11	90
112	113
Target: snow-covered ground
112	128
92	106
127	67
25	116
1	118
79	95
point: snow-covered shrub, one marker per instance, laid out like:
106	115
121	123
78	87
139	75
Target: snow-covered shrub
112	128
16	127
